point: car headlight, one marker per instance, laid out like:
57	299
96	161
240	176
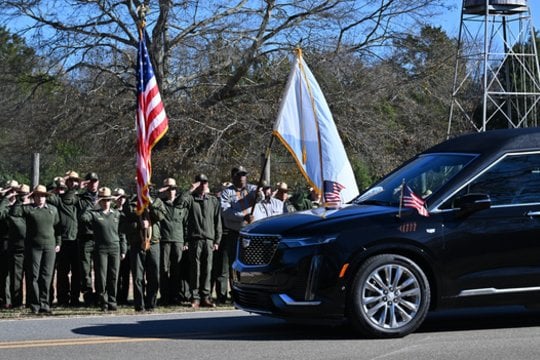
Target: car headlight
308	241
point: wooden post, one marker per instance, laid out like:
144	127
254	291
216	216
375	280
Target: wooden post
35	170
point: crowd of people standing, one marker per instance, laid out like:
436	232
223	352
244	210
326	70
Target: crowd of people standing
91	240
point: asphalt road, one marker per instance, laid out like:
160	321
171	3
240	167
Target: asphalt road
508	333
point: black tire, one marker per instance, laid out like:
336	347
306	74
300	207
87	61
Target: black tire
382	306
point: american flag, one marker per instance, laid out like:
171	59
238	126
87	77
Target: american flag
411	200
152	123
332	192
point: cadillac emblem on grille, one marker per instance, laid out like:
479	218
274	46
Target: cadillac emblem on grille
257	249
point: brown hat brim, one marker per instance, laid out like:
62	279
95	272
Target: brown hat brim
44	193
106	198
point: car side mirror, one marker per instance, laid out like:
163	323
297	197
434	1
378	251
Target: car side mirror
470	203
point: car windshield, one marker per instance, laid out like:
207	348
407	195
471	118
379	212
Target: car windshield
424	176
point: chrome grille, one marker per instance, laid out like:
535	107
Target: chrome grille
257	249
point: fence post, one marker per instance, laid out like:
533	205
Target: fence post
35	170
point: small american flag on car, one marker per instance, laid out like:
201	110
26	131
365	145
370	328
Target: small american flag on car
332	192
411	200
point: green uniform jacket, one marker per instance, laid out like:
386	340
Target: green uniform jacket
87	200
42	224
204	217
67	207
131	224
173	224
16	227
106	229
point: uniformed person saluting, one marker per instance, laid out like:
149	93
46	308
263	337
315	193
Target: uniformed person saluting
68	287
236	202
204	236
85	235
43	239
172	229
110	247
17	240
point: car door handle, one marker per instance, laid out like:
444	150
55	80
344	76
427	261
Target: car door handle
533	213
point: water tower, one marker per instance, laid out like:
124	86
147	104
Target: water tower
497	76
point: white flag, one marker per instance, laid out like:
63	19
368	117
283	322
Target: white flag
306	127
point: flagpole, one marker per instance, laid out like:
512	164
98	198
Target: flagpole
144	216
311	100
141	24
401	197
261	177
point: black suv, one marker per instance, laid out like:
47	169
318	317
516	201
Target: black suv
383	266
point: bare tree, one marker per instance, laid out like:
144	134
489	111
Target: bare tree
186	35
221	66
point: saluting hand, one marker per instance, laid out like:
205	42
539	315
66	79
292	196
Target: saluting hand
194	186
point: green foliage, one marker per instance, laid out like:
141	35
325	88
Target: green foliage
385	112
362	173
67	155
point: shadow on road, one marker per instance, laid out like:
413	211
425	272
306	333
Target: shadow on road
481	319
244	327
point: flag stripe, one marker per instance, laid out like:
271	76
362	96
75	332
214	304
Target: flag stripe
152	123
411	200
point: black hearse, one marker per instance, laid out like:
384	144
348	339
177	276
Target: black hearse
383	266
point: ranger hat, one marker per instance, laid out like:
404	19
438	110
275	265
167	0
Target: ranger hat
59	182
11	184
282	186
24	189
72	175
41	190
119	192
92	176
170	183
201	178
104	193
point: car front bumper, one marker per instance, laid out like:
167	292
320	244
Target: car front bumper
300	282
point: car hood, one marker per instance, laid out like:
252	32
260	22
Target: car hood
316	219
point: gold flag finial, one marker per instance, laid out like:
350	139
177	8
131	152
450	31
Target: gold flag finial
142	10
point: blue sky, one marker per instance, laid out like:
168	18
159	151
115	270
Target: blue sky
450	20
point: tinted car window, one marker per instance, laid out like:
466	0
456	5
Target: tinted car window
424	175
513	180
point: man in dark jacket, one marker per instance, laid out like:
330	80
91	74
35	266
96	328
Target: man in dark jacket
172	229
16	248
143	235
85	234
9	192
67	261
204	236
